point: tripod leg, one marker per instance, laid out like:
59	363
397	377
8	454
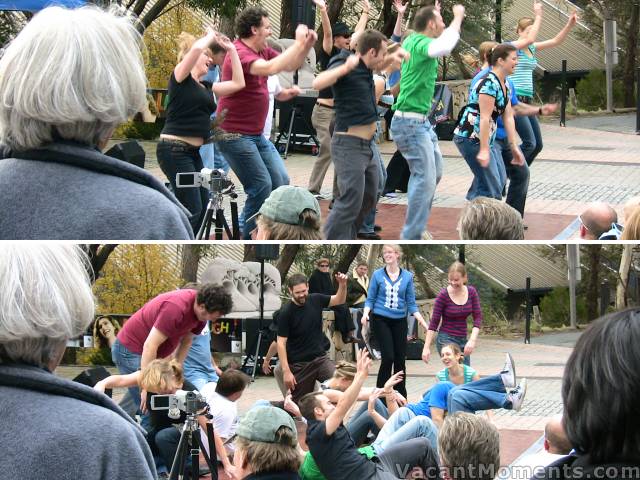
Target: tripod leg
205	228
195	454
177	468
212	449
235	225
256	354
221	223
291	120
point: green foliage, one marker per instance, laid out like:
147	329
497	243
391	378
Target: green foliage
139	130
10	25
555	308
99	356
591	91
224	8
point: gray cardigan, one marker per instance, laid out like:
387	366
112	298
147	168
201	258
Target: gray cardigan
70	191
55	428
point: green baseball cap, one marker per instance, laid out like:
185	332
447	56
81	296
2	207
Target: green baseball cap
286	203
260	424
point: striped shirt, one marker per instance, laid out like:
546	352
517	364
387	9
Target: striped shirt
454	316
522	78
468	373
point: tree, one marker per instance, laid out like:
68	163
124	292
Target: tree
623	281
287	258
347	256
10	25
98	256
133	275
593	280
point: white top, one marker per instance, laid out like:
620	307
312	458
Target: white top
274	87
445	43
225	416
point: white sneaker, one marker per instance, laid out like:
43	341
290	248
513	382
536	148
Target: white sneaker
516	396
376	354
508	372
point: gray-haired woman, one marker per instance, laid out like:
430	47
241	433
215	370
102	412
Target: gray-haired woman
66	82
52	427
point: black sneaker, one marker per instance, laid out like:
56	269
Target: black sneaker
369	236
377	228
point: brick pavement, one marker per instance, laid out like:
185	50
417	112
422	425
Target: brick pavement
576	166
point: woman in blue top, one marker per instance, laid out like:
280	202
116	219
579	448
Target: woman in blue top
528	127
476	130
390	299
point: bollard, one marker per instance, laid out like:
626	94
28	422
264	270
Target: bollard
527	325
563	97
604	297
638	104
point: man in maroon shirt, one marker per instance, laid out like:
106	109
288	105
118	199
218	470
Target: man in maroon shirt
256	163
165	325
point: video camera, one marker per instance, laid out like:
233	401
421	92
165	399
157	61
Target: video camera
214	180
182	401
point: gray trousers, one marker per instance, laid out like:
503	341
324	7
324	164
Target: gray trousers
357	174
321	119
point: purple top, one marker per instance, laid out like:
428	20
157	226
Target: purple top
454	316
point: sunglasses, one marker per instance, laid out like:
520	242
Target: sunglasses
323	265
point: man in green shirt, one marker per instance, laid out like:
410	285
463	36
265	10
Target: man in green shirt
410	126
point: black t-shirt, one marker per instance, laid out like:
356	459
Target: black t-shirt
190	107
302	325
160	418
336	455
354	94
323	60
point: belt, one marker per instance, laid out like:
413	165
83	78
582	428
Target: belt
179	143
419	116
323	105
526	100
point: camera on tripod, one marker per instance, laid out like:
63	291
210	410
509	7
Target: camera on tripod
182	401
214	180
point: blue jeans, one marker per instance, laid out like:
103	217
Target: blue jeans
484	394
528	129
370	220
443	338
212	157
488	181
405	425
258	165
418	143
518	176
361	422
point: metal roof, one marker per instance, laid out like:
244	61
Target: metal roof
580	55
508	266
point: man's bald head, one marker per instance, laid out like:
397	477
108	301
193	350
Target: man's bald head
596	220
555	438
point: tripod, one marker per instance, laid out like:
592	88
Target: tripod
190	444
215	207
262	330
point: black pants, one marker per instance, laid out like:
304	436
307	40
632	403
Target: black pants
175	158
392	338
398	174
343	321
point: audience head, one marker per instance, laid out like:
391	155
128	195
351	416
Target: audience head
212	302
490	219
162	376
524	25
372	47
289	213
391	253
457	274
298	288
469	447
323	264
341	35
484	51
629	206
451	354
253	23
505	57
105	330
45	300
315	406
232	384
596	220
71	75
345	373
362	269
555	438
632	225
601	387
267	442
428	20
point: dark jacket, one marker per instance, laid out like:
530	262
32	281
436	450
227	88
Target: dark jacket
73	192
55	428
320	282
273	476
574	467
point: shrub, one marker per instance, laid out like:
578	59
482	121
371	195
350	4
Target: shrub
555	308
139	130
591	91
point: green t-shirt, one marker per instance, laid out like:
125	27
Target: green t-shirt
418	76
309	469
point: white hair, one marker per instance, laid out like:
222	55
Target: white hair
72	74
45	300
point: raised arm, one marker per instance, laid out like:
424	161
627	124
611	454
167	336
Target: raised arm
327	32
329	77
289	60
183	69
533	31
351	394
400	8
562	34
361	26
118	381
237	82
447	41
341	295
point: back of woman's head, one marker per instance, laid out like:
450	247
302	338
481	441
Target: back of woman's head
160	375
500	52
484	50
345	370
523	23
71	75
632	226
45	300
601	387
185	42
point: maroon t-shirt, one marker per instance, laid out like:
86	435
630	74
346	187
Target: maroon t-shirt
246	109
171	313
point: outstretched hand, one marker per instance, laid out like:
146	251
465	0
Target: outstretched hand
363	362
537	7
321	4
341	278
394	379
400	7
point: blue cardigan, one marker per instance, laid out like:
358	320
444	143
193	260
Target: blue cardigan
391	299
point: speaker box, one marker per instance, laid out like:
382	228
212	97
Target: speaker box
131	152
302	108
267	252
414	350
303	11
92	376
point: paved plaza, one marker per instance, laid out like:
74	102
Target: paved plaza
576	166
